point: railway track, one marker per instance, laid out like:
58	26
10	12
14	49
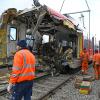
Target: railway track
69	92
43	87
42	90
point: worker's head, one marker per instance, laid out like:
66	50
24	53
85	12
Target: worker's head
96	51
84	50
21	44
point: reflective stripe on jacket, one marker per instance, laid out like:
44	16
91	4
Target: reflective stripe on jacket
23	66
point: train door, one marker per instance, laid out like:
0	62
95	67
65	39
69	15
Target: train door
14	33
11	40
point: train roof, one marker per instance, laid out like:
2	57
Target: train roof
66	21
34	11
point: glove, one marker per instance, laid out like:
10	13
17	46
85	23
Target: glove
9	88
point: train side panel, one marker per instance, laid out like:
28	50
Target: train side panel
3	46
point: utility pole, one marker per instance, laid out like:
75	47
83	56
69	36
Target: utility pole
93	44
89	23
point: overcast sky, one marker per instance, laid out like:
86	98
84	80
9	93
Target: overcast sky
69	6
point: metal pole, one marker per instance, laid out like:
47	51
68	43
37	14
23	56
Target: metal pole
79	12
93	44
89	30
89	22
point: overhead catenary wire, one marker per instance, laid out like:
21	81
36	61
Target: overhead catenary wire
62	5
79	12
89	19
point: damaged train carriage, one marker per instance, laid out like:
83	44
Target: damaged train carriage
54	38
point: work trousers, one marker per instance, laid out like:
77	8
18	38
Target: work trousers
84	67
22	90
97	71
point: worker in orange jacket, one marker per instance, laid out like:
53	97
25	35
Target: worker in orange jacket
23	73
96	64
84	61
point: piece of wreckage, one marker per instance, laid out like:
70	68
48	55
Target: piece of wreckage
54	38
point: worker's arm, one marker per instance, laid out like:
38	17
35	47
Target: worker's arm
17	66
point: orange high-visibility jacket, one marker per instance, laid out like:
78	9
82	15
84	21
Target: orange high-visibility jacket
84	56
81	53
23	67
96	58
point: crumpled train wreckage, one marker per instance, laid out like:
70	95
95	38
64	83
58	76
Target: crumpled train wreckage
54	37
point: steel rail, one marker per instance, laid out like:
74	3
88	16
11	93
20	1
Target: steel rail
4	91
49	93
